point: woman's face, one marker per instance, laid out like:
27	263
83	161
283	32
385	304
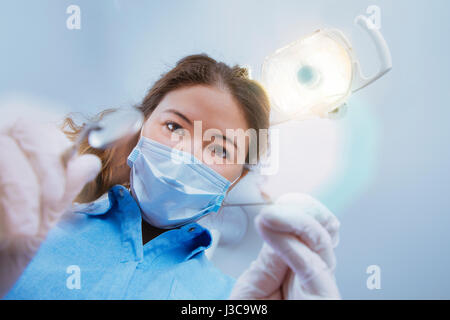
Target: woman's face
214	112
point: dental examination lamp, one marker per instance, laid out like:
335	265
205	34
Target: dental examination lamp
314	76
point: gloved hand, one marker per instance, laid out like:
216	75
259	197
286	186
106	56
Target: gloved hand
297	260
36	188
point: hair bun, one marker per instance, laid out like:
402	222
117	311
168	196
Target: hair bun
241	72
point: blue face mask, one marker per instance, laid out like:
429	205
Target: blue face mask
173	187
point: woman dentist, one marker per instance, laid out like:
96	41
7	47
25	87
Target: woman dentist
142	241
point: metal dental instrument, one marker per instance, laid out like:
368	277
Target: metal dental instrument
247	204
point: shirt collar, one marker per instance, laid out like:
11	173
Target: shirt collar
186	241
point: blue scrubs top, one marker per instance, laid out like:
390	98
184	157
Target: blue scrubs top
102	247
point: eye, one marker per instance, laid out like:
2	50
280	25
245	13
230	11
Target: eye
218	151
174	127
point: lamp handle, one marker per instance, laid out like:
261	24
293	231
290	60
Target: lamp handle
359	80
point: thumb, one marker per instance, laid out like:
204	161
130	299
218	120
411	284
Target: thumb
80	170
263	279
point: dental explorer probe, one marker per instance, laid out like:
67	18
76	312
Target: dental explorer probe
248	204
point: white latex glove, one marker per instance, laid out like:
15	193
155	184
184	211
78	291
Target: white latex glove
35	190
297	260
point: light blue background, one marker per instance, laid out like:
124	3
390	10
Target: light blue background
393	195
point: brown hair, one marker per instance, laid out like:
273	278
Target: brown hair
199	69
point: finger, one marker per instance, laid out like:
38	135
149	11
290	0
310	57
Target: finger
309	205
296	256
19	193
263	278
322	286
291	221
43	145
311	270
80	170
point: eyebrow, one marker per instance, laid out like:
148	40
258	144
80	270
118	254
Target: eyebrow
182	116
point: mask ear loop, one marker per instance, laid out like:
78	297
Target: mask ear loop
234	181
140	136
142	129
223	203
246	166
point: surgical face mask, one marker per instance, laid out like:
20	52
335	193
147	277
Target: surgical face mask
173	187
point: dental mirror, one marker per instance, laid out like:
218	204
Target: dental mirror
113	128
